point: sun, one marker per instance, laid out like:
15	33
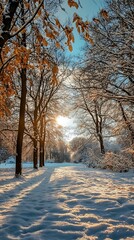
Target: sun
63	121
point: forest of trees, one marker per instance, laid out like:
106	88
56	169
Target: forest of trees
34	70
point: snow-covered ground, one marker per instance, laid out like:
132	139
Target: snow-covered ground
66	202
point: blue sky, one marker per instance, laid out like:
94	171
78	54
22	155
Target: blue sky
89	9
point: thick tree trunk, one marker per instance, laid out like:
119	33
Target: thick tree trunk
18	170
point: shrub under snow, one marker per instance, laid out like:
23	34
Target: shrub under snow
92	158
116	162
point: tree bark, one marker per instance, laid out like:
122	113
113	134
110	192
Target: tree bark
35	142
41	153
18	170
35	154
41	143
98	123
102	148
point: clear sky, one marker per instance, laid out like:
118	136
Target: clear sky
89	9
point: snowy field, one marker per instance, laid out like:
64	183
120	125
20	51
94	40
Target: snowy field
66	202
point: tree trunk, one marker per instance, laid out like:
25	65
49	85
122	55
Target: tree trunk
102	148
98	124
35	154
35	141
41	142
41	153
18	170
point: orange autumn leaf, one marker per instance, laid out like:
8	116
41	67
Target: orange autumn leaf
24	30
104	14
72	3
45	43
50	26
57	45
75	17
78	29
27	5
16	51
46	62
91	40
72	38
57	23
39	37
70	48
39	12
87	37
56	33
54	80
6	49
49	34
55	69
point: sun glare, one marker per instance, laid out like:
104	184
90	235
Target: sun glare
63	121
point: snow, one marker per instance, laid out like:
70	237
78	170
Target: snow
66	202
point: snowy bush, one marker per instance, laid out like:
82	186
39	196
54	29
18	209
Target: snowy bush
116	162
89	156
115	159
94	158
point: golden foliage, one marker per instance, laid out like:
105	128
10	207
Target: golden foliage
54	79
54	74
57	44
39	12
57	23
87	37
55	69
72	3
70	37
104	14
44	41
70	48
49	34
82	27
21	56
46	62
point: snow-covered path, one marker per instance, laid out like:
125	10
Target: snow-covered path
66	202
